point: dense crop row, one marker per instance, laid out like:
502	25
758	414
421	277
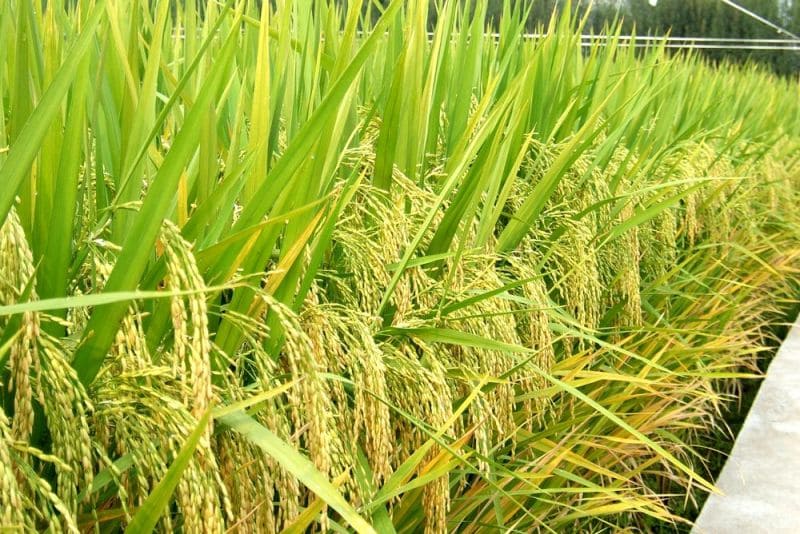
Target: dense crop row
263	269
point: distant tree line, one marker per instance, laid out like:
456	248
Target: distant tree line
686	18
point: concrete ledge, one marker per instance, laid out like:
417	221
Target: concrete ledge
761	479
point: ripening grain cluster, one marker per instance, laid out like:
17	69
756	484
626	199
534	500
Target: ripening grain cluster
305	266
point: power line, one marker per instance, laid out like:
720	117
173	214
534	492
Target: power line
760	19
701	46
750	14
700	43
709	39
707	43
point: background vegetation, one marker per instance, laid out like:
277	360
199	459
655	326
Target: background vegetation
687	18
289	268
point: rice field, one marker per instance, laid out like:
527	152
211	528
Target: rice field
305	266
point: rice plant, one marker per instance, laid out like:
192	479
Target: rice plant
305	266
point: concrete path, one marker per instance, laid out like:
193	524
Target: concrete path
761	479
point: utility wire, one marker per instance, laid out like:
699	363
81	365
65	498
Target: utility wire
760	19
708	39
700	43
667	38
700	46
716	43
